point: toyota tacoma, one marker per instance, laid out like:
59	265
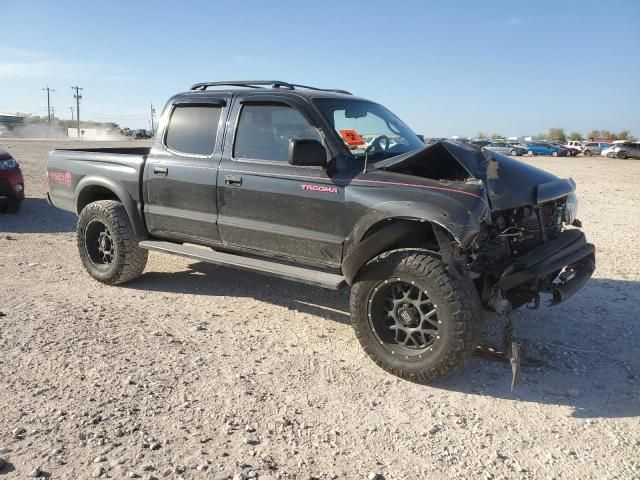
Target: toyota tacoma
318	186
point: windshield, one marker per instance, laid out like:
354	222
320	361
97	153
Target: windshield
367	128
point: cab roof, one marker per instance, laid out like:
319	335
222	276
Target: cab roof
271	87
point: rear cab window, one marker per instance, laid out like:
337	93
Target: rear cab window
192	129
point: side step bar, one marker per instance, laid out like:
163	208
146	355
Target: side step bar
288	272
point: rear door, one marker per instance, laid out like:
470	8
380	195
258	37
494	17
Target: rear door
268	205
181	170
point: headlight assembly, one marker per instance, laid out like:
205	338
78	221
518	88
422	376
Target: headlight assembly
571	209
8	164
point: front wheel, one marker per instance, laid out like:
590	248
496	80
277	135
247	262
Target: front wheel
622	155
12	205
107	245
554	154
412	317
513	153
530	153
587	153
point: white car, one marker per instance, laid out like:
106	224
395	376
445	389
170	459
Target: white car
611	150
575	145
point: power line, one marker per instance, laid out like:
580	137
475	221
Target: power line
48	90
77	96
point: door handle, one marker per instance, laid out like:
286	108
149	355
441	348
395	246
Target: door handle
160	171
234	180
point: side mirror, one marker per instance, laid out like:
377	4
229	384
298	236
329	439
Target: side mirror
307	152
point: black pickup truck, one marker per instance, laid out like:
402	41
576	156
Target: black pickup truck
319	186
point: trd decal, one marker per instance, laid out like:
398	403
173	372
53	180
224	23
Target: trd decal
320	188
59	177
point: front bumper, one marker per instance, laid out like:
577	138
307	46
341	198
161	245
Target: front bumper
538	270
11	184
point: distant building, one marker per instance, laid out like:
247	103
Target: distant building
9	122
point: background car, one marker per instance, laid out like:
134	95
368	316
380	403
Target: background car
595	148
505	148
610	152
575	144
138	134
544	148
569	151
11	183
628	150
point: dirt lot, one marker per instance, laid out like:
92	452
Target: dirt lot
197	371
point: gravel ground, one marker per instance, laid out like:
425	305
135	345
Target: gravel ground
197	371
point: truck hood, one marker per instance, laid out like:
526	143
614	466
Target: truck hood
509	182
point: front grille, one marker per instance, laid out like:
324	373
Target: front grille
537	226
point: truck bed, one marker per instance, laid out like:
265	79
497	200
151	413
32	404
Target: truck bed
117	169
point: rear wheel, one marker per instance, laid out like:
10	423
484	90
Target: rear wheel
107	245
554	154
622	155
530	153
412	317
587	153
513	153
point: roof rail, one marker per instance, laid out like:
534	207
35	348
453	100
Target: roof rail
261	84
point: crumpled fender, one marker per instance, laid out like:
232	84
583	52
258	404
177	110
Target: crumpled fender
461	224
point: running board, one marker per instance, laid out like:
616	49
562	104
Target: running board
288	272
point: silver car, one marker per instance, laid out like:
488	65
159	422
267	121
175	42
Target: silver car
506	148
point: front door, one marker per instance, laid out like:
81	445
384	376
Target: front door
268	205
180	173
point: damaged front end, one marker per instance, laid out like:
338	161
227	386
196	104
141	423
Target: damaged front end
530	243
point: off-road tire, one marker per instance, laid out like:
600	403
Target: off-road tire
12	205
129	259
458	306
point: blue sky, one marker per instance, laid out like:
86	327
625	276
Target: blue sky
445	68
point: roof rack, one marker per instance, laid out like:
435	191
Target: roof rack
262	84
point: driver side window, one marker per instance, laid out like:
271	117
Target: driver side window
264	131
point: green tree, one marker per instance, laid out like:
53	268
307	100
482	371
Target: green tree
496	136
557	135
625	135
594	134
575	136
481	136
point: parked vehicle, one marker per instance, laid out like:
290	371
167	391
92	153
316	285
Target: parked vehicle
277	179
595	148
141	134
480	143
568	152
544	148
610	151
11	183
627	150
506	148
575	144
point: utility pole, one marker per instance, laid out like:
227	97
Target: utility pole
153	126
77	96
48	90
53	115
71	108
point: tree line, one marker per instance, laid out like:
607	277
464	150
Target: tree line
559	135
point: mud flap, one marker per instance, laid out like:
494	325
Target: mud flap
514	359
510	353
